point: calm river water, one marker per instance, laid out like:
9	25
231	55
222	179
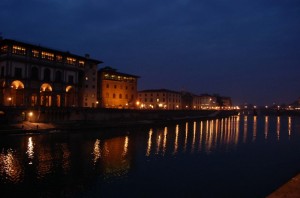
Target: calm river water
239	156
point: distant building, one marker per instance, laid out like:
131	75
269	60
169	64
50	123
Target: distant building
225	102
116	89
159	99
187	100
32	75
208	101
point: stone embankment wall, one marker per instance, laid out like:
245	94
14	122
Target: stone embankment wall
88	114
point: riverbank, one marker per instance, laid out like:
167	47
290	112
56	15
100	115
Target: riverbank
119	120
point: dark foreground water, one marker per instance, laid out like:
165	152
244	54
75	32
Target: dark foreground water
240	156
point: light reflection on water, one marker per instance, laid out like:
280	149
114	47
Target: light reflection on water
82	158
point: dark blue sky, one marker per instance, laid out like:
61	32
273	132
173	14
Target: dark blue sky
246	49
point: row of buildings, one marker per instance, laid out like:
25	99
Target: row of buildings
33	75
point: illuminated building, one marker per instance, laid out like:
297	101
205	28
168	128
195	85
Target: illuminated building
159	99
32	75
191	101
208	101
115	89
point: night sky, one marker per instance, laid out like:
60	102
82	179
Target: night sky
246	49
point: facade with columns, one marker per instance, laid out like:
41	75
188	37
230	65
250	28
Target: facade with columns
32	75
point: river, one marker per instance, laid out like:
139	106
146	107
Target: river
238	156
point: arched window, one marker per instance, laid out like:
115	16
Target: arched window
58	76
34	73
47	74
46	95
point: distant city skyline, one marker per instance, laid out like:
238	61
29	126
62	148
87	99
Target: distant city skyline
249	51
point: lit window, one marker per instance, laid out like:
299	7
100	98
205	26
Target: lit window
47	55
19	50
81	63
71	61
35	53
86	78
59	58
4	49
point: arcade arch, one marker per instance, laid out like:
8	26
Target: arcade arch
15	95
70	97
45	94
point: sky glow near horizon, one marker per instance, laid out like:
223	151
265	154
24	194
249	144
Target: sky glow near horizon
248	50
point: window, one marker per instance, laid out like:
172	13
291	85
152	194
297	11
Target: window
47	74
107	85
48	56
81	63
70	79
2	72
71	61
19	50
34	73
114	95
58	76
115	86
35	53
59	58
4	49
86	86
18	72
120	96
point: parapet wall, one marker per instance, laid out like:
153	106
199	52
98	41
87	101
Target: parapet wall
88	114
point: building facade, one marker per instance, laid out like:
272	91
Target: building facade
159	99
32	75
208	101
116	89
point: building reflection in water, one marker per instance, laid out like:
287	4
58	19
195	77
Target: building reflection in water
266	131
289	126
112	157
97	151
10	166
186	135
30	152
254	127
278	127
125	149
149	142
194	137
202	136
176	140
245	128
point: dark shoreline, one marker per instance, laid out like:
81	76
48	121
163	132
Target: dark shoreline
26	127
